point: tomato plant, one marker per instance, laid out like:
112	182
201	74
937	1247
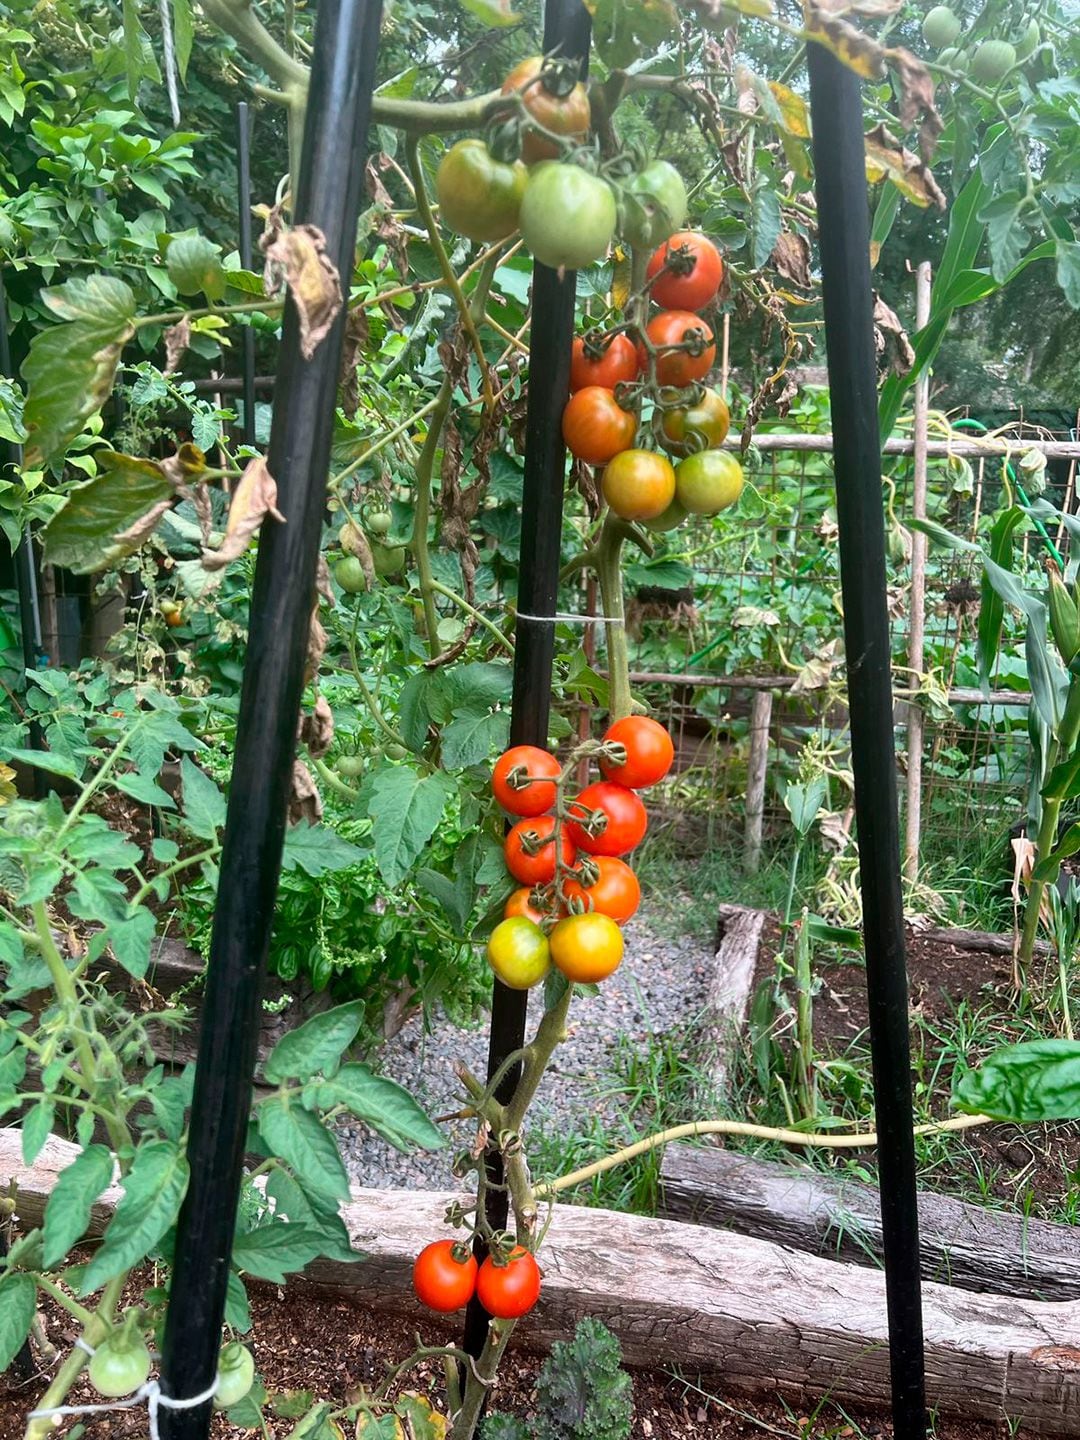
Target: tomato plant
679	367
612	888
554	99
708	482
647	752
120	1364
701	425
479	196
686	272
567	216
520	903
523	781
609	819
444	1278
531	850
236	1374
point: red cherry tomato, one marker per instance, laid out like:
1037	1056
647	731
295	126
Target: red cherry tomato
441	1281
615	892
530	850
520	905
520	764
693	272
649	752
616	362
680	367
595	427
624	823
511	1290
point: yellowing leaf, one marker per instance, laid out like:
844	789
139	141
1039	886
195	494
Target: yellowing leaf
620	279
885	156
793	109
857	50
254	498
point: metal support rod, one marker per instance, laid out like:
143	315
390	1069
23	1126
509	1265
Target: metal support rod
756	771
329	192
844	227
567	29
917	595
243	195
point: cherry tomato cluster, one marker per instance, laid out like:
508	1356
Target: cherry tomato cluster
446	1276
609	373
575	889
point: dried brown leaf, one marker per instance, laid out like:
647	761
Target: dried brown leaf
177	340
791	256
316	730
890	339
917	98
299	256
356	338
886	156
305	802
254	498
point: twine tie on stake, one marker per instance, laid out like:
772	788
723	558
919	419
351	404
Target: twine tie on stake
571	619
150	1392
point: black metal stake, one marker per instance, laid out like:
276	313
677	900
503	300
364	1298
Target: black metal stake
25	570
328	197
567	30
243	193
844	227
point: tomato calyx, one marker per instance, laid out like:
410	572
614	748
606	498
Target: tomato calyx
680	261
593	822
558	76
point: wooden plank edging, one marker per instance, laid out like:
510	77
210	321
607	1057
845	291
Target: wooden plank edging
759	1316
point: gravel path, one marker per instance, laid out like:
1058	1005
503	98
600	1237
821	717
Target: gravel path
660	986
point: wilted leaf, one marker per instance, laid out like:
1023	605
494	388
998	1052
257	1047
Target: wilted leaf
299	256
791	256
305	802
316	730
857	50
254	498
108	517
890	339
793	110
916	98
886	156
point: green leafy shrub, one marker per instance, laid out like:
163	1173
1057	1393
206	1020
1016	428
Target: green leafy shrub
582	1392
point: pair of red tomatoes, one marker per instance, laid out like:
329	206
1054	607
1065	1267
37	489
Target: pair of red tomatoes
446	1277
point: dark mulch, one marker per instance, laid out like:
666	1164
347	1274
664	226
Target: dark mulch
1030	1165
332	1346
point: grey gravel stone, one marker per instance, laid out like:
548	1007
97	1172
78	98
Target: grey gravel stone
659	987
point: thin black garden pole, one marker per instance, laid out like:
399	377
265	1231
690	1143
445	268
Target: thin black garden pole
25	577
243	195
844	229
328	197
567	31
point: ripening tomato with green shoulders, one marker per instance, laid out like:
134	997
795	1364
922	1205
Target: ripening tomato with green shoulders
518	952
444	1275
587	948
638	484
510	1290
606	360
596	427
686	272
530	853
610	819
554	99
567	216
702	425
523	780
680	367
479	196
614	892
708	482
648	752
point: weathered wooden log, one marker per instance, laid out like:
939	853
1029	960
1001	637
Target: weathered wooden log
738	935
758	1316
962	1245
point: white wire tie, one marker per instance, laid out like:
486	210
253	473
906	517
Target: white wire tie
572	619
150	1392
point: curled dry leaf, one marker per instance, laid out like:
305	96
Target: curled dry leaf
817	672
886	156
299	257
316	730
145	526
890	339
305	802
917	98
177	340
254	498
316	647
356	338
791	256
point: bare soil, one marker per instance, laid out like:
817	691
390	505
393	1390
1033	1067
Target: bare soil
305	1340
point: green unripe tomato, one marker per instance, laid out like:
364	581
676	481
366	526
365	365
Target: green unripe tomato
654	205
1029	41
387	559
349	766
236	1374
941	27
479	196
567	216
708	482
378	522
393	751
119	1365
668	519
955	59
349	574
992	61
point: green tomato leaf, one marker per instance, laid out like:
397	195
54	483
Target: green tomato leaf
237	1309
70	369
272	1251
204	804
382	1104
153	1190
67	1213
472	739
1036	1081
316	849
36	1129
195	267
405	809
316	1046
303	1142
18	1304
105	518
183	34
